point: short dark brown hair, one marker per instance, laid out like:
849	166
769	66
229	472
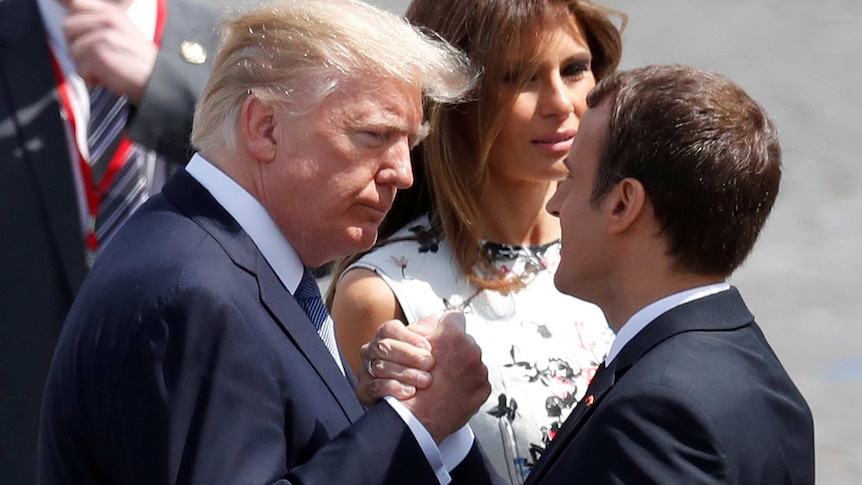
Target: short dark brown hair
707	154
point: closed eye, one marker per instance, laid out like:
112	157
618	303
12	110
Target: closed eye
373	138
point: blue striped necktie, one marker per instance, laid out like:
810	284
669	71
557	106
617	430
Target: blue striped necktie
129	187
307	294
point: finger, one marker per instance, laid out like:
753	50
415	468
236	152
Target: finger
370	390
396	389
395	329
454	320
452	325
86	50
398	352
407	376
424	326
76	25
75	6
83	22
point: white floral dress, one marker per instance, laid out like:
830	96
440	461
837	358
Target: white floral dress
541	347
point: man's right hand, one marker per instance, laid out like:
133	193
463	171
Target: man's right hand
108	49
459	379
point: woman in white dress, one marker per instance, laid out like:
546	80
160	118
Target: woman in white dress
486	245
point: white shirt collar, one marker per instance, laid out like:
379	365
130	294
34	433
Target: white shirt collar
649	313
253	219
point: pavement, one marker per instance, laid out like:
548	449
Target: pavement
803	61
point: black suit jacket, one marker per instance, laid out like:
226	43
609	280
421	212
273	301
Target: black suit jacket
698	396
185	360
42	259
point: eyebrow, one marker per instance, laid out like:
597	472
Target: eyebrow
580	56
420	134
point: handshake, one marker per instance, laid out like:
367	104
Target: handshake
432	366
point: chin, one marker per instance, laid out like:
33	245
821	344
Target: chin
560	281
567	283
361	239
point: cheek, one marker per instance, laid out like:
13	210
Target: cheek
578	95
572	217
522	112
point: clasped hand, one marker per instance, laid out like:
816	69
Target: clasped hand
432	366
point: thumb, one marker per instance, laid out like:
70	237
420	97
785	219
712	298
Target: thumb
424	326
452	320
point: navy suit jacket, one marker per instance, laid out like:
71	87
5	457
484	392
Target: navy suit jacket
698	396
42	258
185	360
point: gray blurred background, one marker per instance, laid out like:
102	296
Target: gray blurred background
803	61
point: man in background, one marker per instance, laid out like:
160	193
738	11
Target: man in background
67	179
198	349
672	176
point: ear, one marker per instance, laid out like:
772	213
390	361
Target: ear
257	129
624	204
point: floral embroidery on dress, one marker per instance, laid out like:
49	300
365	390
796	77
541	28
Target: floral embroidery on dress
427	239
401	262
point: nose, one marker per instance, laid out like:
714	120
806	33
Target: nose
553	205
554	99
397	171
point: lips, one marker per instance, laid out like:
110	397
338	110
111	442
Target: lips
557	142
558	137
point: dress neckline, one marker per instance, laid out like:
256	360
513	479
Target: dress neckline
506	253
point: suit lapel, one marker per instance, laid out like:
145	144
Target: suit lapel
25	67
719	312
198	204
299	328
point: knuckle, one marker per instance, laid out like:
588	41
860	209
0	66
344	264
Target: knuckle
384	349
386	328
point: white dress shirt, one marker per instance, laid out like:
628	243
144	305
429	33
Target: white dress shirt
647	314
275	248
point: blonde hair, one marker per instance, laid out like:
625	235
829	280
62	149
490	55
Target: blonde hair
297	52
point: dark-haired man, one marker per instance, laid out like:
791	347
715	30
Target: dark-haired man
672	176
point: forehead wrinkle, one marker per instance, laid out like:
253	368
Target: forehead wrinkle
376	114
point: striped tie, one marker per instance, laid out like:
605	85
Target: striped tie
307	294
128	188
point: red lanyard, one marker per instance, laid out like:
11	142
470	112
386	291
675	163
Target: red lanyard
95	192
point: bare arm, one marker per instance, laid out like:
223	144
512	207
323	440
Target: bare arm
362	302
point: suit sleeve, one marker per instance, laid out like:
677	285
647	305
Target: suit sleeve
650	434
163	120
475	469
198	403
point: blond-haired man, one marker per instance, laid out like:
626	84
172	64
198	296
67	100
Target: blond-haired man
198	353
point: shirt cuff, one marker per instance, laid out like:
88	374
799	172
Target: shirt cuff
452	450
